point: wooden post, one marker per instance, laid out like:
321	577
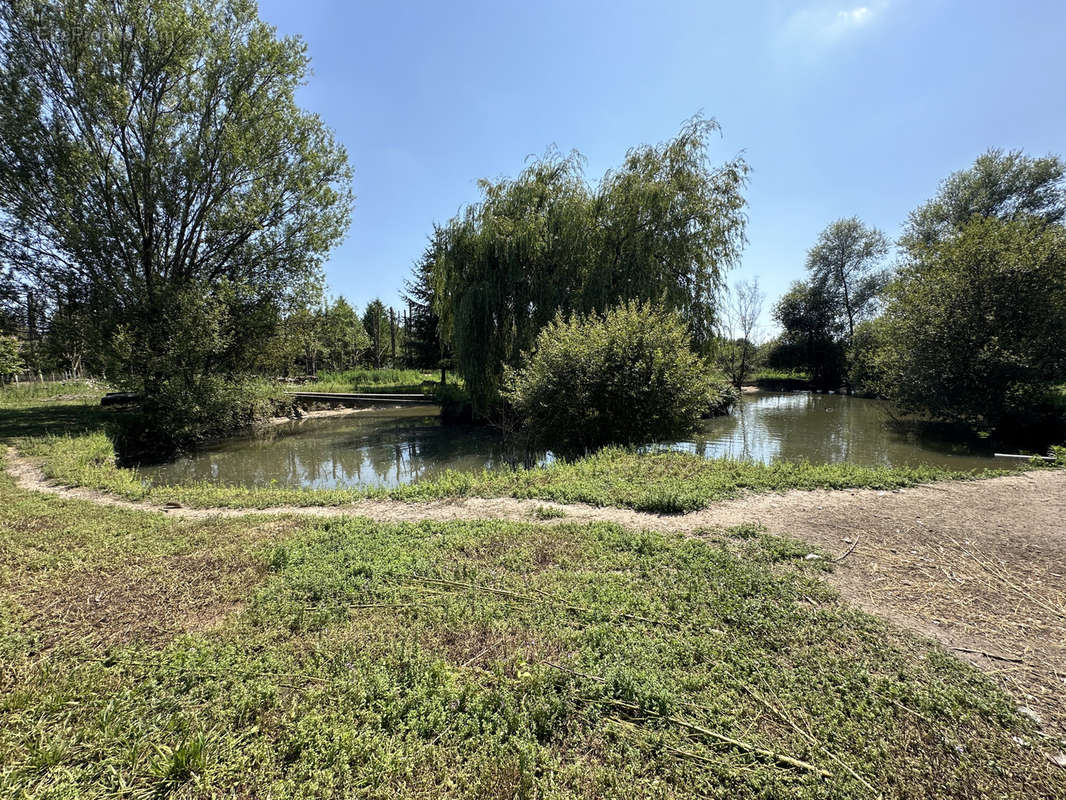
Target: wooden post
392	332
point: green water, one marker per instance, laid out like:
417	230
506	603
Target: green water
387	447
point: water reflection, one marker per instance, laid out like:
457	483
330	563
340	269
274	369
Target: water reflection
397	446
380	447
827	428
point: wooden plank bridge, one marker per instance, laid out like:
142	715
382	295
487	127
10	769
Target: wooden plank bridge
354	398
364	397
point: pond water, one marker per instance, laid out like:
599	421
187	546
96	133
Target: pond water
388	447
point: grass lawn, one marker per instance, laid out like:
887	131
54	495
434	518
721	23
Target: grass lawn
149	656
142	655
398	381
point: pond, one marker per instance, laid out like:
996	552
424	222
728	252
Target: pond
388	447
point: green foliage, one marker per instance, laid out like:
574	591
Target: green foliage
820	315
156	164
183	393
975	325
454	401
865	365
813	338
318	333
768	373
377	325
845	265
425	346
1009	186
345	657
343	336
180	412
663	228
627	377
69	340
10	357
548	512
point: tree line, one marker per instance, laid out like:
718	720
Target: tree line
968	325
166	207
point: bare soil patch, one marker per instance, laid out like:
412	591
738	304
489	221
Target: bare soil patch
979	566
146	602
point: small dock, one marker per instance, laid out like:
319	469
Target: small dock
364	397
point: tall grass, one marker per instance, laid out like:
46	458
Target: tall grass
19	395
372	380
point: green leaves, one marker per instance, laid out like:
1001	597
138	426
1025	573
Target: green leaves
661	229
154	150
10	359
627	377
975	325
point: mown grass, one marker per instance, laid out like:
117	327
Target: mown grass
771	374
405	381
34	394
661	482
478	660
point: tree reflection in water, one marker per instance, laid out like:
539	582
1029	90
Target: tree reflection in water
388	447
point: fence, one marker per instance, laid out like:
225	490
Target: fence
50	376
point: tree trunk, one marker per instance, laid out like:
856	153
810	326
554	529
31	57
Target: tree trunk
392	333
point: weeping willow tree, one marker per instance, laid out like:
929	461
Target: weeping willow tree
663	229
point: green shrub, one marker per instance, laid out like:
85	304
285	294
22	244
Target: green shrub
454	400
181	412
975	324
10	359
864	368
628	377
725	395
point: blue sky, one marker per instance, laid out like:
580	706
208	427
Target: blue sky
841	108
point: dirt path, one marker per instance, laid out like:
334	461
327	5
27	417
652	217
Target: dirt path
978	565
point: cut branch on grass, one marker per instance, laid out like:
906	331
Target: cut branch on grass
1011	659
810	737
746	747
719	737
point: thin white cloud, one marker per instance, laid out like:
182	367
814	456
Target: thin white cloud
854	16
827	23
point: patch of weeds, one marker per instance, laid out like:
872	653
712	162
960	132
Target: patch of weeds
176	767
501	659
547	512
747	530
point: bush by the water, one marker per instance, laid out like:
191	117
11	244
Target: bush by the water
454	401
974	328
627	377
182	411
